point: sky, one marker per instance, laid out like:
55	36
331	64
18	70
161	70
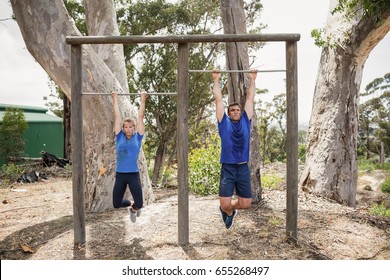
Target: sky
24	82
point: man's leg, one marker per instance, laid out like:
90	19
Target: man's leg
226	205
243	188
241	203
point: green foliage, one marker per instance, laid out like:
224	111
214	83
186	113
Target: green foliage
377	9
77	12
385	186
380	210
272	129
372	164
10	172
302	152
11	134
270	181
319	38
204	167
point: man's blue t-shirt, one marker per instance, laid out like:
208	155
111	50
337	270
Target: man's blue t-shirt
235	139
127	151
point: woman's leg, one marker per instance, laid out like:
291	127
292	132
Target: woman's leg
119	191
136	190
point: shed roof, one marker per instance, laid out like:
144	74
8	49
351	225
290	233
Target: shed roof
31	113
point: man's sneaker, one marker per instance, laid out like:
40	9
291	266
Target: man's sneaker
133	215
222	214
138	212
229	221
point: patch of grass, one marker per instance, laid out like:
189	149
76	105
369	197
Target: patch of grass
370	165
270	181
10	172
380	210
275	221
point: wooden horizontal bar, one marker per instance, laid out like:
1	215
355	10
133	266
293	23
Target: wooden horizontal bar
234	71
132	93
169	39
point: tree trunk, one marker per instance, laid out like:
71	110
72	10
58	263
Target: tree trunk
158	162
44	26
382	153
234	22
67	128
101	21
331	161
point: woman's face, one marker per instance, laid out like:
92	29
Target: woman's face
129	129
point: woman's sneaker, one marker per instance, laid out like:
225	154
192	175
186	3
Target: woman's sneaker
133	215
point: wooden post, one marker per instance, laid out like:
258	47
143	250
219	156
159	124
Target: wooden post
292	141
77	146
182	144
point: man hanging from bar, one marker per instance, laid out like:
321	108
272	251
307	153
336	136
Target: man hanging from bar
234	130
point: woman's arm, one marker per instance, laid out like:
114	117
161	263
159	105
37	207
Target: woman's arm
141	114
117	116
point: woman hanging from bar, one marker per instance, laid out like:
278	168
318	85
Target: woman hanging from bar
128	141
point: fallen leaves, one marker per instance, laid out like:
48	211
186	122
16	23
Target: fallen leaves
27	249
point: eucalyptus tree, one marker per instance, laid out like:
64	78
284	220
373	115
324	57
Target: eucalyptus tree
353	29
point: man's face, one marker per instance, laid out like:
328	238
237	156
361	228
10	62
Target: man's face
234	113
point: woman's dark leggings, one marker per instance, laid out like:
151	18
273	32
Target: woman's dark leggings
134	183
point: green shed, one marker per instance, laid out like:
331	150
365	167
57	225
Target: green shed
44	132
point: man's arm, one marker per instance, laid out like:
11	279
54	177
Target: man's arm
141	114
250	94
220	107
117	116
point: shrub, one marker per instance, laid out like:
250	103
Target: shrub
385	187
302	152
270	181
10	172
380	210
11	134
204	167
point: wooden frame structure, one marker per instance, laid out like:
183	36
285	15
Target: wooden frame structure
183	41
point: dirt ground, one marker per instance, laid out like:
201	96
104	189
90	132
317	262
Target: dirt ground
36	223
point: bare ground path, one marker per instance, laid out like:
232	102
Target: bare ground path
36	223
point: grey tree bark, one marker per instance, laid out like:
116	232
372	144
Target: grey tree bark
234	22
331	159
44	26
